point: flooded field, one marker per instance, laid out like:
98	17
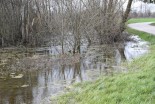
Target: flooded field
33	79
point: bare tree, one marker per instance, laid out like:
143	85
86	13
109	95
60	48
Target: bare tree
67	23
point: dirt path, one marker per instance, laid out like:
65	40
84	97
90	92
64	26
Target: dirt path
145	27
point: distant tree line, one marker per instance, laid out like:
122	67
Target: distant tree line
144	10
149	1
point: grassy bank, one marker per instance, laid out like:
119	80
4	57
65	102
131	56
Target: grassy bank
134	87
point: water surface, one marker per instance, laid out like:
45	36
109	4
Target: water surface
38	86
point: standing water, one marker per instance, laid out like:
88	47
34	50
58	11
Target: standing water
34	79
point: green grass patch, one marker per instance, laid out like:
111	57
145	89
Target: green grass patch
137	86
138	20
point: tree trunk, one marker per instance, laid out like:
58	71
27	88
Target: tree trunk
2	42
126	14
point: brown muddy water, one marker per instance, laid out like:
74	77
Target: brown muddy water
21	85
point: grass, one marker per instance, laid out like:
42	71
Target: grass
134	87
138	20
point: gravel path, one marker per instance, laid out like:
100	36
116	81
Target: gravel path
145	27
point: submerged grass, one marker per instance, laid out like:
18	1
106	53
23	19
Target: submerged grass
134	87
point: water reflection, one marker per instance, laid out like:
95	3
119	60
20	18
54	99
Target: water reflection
41	84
